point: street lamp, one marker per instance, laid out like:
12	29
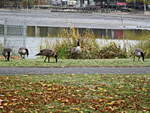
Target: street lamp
144	6
134	4
27	4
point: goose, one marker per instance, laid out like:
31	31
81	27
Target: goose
138	53
77	49
7	53
47	53
23	51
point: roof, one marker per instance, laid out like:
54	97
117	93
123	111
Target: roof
121	3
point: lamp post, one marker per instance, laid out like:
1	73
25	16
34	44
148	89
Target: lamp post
27	3
134	4
144	6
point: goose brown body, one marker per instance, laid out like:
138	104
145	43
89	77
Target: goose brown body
47	53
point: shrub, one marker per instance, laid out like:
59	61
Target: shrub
62	48
89	47
112	50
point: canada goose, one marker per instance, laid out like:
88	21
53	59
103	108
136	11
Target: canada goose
23	51
6	53
76	49
47	53
138	53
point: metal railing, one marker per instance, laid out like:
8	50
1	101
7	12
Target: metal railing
13	35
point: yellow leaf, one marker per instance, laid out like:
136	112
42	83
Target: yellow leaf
111	103
77	109
49	89
101	100
5	104
12	103
100	89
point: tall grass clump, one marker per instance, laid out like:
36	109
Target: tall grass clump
87	42
90	49
112	50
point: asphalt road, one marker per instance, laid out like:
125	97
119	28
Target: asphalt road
80	20
73	70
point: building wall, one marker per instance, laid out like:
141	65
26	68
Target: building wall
42	2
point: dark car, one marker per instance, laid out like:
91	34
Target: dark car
125	9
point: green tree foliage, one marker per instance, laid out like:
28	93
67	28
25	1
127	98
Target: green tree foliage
144	1
27	3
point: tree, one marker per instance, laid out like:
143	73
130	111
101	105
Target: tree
82	2
145	2
27	3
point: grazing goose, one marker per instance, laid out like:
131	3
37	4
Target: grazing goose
6	53
138	53
47	53
23	51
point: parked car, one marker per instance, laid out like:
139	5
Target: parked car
125	9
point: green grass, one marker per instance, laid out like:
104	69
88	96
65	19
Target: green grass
78	62
75	93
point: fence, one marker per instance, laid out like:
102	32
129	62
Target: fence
12	36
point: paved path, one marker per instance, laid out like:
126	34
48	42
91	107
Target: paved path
73	70
78	20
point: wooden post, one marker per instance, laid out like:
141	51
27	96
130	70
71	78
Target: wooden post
37	31
5	31
144	6
24	34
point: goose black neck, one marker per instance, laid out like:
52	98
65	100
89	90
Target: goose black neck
78	43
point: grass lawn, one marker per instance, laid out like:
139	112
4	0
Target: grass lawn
78	62
75	93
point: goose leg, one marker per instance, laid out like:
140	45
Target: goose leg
48	59
5	57
45	59
138	58
133	58
21	56
56	59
